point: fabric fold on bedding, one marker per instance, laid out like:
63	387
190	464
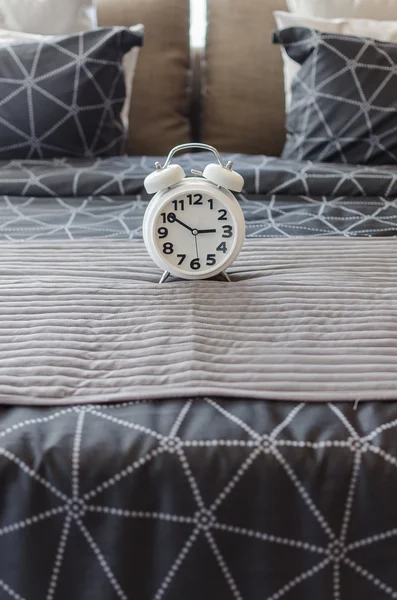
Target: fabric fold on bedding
124	175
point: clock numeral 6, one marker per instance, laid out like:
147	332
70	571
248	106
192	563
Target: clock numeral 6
195	264
227	231
211	259
168	248
163	232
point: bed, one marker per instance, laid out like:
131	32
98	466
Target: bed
201	485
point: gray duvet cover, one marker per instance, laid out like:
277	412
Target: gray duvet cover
204	492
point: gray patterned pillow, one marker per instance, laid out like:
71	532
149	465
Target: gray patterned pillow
344	98
62	96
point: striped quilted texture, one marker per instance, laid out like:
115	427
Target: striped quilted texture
312	319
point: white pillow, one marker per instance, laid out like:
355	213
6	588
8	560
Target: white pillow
385	31
51	17
129	61
356	9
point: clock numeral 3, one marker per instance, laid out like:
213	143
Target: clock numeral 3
227	231
168	248
163	232
197	201
223	214
181	257
195	264
211	259
222	247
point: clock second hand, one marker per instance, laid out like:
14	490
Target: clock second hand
195	232
195	239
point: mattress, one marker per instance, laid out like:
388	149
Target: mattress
219	492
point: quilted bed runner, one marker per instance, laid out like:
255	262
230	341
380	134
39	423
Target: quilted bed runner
311	319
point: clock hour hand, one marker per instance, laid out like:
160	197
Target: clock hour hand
206	231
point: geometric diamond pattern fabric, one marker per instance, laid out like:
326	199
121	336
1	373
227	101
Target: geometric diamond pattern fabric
343	105
199	498
62	96
104	198
202	497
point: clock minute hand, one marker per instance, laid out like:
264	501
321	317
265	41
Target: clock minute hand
206	231
183	224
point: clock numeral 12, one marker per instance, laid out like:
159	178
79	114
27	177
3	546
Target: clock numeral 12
195	202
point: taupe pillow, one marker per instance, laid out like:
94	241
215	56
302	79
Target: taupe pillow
243	102
159	103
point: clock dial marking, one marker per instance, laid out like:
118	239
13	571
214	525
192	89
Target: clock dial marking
204	219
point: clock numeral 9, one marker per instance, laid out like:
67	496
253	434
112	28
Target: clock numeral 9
211	259
195	264
168	248
163	232
227	231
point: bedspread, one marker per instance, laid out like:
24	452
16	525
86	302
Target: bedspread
106	199
217	494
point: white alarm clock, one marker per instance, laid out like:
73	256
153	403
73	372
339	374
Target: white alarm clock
193	227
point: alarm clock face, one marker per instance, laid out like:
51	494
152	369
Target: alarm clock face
197	231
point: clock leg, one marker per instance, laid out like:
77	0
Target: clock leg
164	277
226	276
